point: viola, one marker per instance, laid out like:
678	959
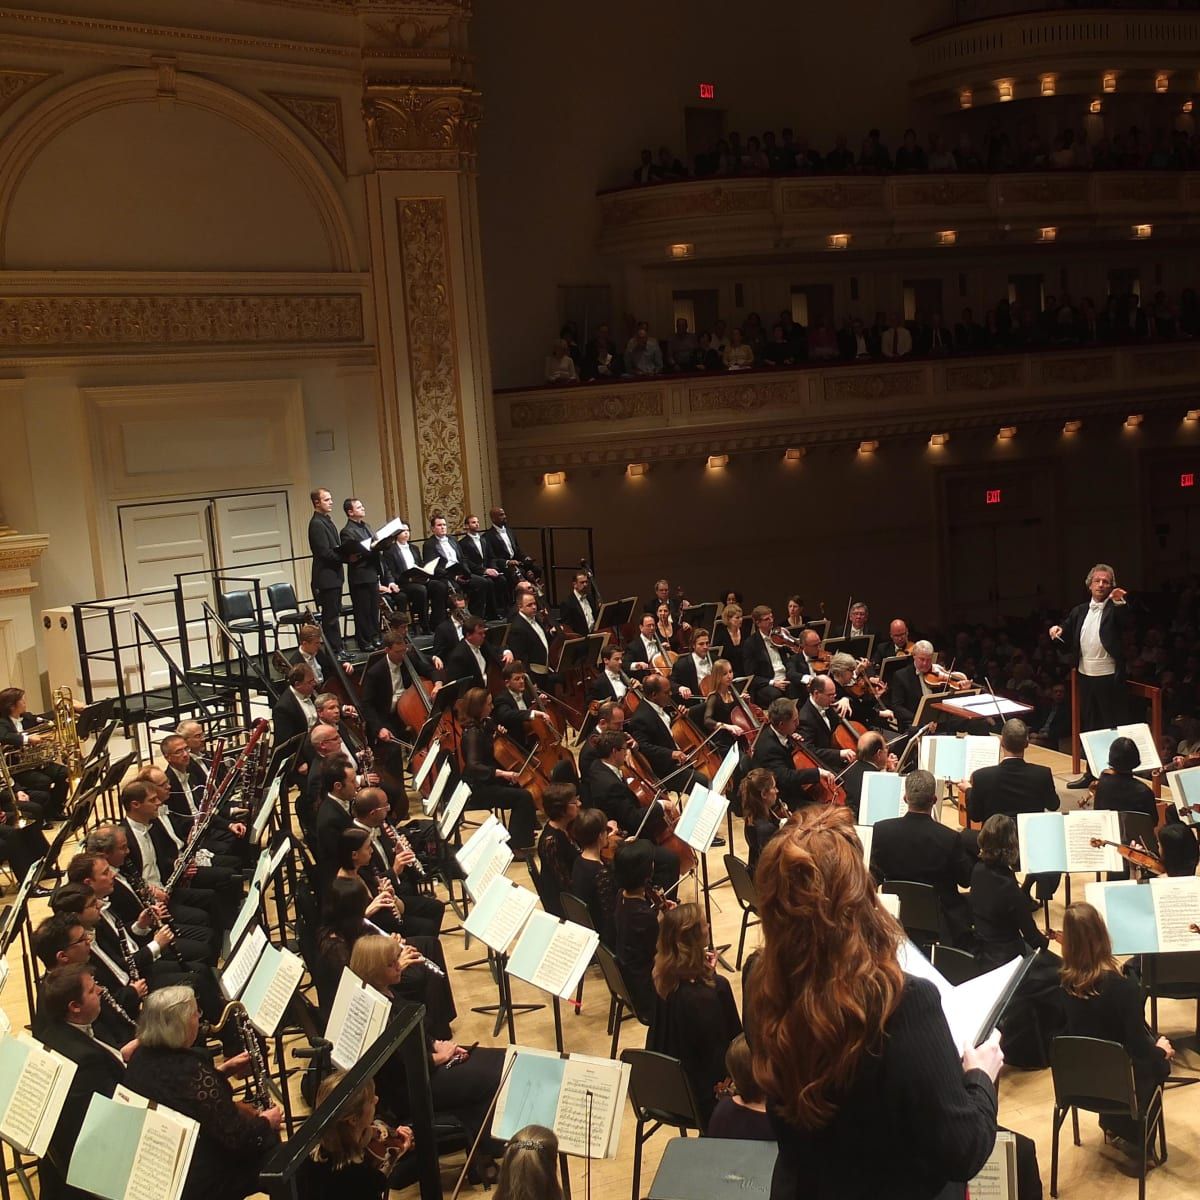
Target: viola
863	682
1138	855
386	1147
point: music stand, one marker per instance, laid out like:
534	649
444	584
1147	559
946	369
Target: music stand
821	626
405	1035
889	666
701	616
713	1169
615	614
94	717
497	635
581	654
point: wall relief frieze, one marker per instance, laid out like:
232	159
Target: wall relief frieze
1077	370
587	406
15	83
984	378
433	357
1141	189
1180	362
811	197
422	127
709	202
322	117
875	386
940	192
204	320
1061	189
746	397
404	33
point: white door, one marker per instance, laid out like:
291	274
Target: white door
157	542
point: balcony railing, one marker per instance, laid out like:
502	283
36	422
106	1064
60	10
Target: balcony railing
695	414
716	218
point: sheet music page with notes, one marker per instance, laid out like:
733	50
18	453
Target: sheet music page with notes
604	1081
161	1160
488	868
427	764
241	965
1079	829
266	1004
500	912
565	958
998	1179
359	1015
981	750
1176	907
429	803
37	1096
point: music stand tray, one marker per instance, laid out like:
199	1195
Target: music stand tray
857	647
614	614
701	616
997	706
581	651
889	666
821	625
497	635
714	1169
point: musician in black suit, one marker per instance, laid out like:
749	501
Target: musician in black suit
870	756
865	708
611	683
580	608
1092	635
452	566
324	544
513	706
474	657
610	793
386	678
818	719
505	551
189	782
773	750
896	644
50	778
68	1022
294	711
338	787
766	663
651	726
479	559
310	652
426	594
692	669
1118	788
919	848
448	633
1013	786
641	649
364	573
530	642
908	687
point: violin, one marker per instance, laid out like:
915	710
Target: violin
862	682
1138	855
939	677
782	640
387	1146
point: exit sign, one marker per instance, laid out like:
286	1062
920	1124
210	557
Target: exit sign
708	91
992	496
1187	479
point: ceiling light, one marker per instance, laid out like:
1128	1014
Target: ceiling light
838	241
1192	414
1047	233
868	446
1134	420
965	99
1109	82
939	439
1142	231
947	237
1004	89
682	249
1096	106
1049	84
1162	82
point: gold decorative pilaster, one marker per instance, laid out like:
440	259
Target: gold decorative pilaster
422	127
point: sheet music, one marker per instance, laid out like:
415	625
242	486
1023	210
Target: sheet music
429	803
246	914
1185	791
158	1164
285	970
1083	825
1176	906
242	963
454	809
984	704
265	809
565	959
31	1113
998	1178
882	797
890	903
281	852
358	1016
496	863
982	750
1127	908
1097	743
725	771
392	528
603	1078
866	834
431	757
490	833
499	913
702	817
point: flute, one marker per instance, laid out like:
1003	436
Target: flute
400	840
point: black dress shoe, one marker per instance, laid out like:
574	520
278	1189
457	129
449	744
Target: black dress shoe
1085	780
718	840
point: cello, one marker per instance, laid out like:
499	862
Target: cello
647	790
530	775
824	791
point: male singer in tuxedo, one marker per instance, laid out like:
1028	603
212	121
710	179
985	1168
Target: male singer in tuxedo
1092	635
327	572
364	574
477	555
426	595
446	550
579	610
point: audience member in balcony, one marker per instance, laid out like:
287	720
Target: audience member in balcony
841	157
1160	317
724	161
682	347
794	334
1087	326
1000	156
934	337
807	159
940	159
738	355
855	342
642	355
602	360
782	156
1062	157
720	338
965	154
1189	313
778	352
969	337
873	156
737	151
560	366
570	334
667	167
644	171
1026	332
895	341
754	334
910	157
708	358
822	341
755	160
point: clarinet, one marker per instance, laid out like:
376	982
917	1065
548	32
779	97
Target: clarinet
114	1006
400	840
141	889
260	1087
131	967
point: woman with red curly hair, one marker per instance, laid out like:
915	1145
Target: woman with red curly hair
867	1091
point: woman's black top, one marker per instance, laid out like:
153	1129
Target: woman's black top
1124	793
695	1024
719	712
592	882
230	1146
479	756
1004	924
557	854
733	1120
637	940
758	834
930	1122
351	1181
1115	1014
722	647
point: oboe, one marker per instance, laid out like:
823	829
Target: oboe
260	1088
114	1006
400	840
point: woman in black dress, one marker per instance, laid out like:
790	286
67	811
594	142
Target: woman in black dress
462	1081
742	1113
1118	789
1005	929
718	710
357	1154
231	1145
845	1042
728	640
636	923
695	1015
556	849
591	875
344	920
760	797
490	786
1103	1003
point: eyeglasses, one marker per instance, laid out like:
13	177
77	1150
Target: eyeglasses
85	936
